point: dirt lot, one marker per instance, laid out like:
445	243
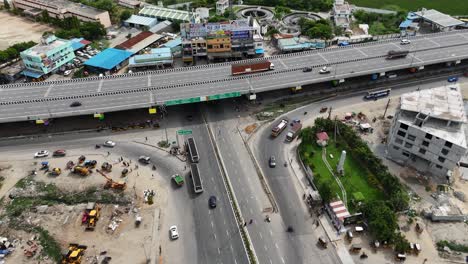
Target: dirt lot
64	222
15	29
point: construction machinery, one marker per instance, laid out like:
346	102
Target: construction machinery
90	164
121	185
73	254
83	171
55	172
106	166
91	215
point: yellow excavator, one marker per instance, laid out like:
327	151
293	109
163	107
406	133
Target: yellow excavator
91	215
121	185
55	172
73	254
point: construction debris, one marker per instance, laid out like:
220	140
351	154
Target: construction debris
115	219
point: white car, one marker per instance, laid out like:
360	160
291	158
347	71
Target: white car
405	41
324	70
41	154
174	233
109	143
67	72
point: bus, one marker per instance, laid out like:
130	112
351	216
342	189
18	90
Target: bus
192	150
276	130
374	95
197	182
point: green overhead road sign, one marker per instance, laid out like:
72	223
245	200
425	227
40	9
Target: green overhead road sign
183	101
184	132
223	96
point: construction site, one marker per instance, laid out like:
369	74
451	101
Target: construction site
77	209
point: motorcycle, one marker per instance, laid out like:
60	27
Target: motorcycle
154	167
363	256
267	218
285	164
305	113
97	146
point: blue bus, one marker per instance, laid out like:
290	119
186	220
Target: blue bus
377	94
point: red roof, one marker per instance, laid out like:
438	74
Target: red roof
85	42
323	136
128	44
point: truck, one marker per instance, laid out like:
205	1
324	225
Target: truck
397	54
179	180
294	131
276	130
251	67
197	182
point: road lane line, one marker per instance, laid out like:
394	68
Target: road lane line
365	55
151	98
100	85
271	262
438	45
284	65
276	246
265	247
48	90
282	259
321	56
232	249
219	251
227	232
214	234
235	261
260	234
149	80
212	225
271	233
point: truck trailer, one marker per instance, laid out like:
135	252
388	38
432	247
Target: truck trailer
397	54
294	131
251	67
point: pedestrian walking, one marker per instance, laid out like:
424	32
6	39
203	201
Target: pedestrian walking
251	221
108	153
146	138
245	223
121	158
152	175
185	167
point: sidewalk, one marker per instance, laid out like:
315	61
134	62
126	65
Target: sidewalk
327	228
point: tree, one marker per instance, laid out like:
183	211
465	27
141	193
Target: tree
45	17
107	5
126	14
6	4
272	31
381	219
401	243
325	191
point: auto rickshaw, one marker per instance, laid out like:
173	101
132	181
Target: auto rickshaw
44	165
81	159
400	257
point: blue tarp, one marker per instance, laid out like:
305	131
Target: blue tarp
108	58
259	51
406	23
32	74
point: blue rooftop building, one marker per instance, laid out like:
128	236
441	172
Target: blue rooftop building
158	58
108	61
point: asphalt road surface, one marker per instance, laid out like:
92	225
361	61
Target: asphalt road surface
113	93
206	235
271	242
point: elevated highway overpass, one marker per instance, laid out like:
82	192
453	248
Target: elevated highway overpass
31	101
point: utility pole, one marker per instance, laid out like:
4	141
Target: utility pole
386	107
335	130
329	112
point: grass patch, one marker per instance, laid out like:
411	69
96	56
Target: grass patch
49	244
452	7
355	179
452	245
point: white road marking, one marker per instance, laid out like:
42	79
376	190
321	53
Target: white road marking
276	246
271	233
323	57
282	259
227	232
214	236
265	247
48	90
219	251
438	45
212	225
149	80
271	262
151	98
281	61
260	234
251	211
235	261
365	55
100	85
232	249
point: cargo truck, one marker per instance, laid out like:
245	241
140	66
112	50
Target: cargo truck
251	67
179	180
276	130
294	131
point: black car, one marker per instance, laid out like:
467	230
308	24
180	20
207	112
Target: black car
212	201
307	69
75	104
